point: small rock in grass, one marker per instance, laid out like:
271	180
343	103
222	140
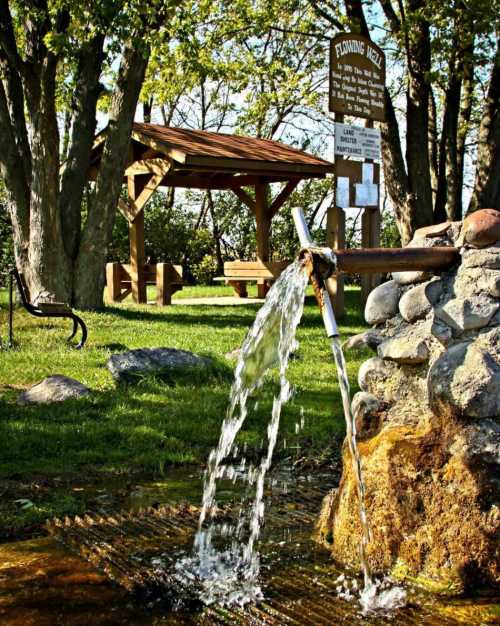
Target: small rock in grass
56	388
128	366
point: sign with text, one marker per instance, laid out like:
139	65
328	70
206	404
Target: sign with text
357	77
357	142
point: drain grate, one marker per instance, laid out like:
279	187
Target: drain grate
298	577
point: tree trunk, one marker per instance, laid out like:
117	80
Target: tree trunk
90	263
396	180
464	120
433	144
417	116
74	175
486	192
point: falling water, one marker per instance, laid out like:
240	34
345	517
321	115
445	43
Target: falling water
374	594
230	576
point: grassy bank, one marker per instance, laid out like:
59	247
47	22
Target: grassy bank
148	427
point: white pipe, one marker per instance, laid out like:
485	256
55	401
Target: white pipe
301	227
306	242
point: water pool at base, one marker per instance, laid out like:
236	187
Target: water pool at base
46	583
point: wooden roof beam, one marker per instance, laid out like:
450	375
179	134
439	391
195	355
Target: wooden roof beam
245	198
132	208
282	197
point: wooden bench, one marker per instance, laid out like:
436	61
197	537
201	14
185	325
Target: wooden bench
41	309
167	278
239	273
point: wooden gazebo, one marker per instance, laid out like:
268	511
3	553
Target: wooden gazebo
162	156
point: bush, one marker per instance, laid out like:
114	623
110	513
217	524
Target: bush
205	271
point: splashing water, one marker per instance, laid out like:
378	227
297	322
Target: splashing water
231	576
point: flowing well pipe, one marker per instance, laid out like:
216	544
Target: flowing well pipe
323	262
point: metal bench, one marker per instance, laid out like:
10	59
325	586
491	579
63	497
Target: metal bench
239	273
42	309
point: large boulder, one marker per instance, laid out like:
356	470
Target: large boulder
382	303
134	364
56	388
481	228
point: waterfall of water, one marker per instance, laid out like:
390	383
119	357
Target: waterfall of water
230	576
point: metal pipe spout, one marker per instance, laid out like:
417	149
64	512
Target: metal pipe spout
319	263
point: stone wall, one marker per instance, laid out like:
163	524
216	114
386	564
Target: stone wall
428	420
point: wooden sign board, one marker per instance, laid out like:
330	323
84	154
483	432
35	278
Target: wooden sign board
357	77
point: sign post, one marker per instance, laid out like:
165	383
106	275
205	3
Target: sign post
357	88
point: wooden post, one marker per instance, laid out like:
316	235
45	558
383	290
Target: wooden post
137	247
263	229
370	234
163	284
335	238
113	281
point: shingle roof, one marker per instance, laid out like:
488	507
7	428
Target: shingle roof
199	145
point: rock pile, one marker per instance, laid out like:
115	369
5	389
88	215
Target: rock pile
429	415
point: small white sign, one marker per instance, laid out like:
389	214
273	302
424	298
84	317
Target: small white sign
357	141
342	192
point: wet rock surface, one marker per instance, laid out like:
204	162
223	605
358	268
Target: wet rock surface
431	462
134	364
55	388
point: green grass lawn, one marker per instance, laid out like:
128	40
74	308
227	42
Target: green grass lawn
143	429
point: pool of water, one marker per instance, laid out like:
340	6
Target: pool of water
44	583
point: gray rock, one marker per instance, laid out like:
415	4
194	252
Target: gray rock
483	441
476	281
418	301
467	313
465	379
382	303
374	370
410	278
369	339
128	366
364	406
364	403
404	349
486	257
441	331
55	388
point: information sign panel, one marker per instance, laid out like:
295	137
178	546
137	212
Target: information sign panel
357	77
357	141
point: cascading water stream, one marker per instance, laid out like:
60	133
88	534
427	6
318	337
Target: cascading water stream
231	576
350	422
